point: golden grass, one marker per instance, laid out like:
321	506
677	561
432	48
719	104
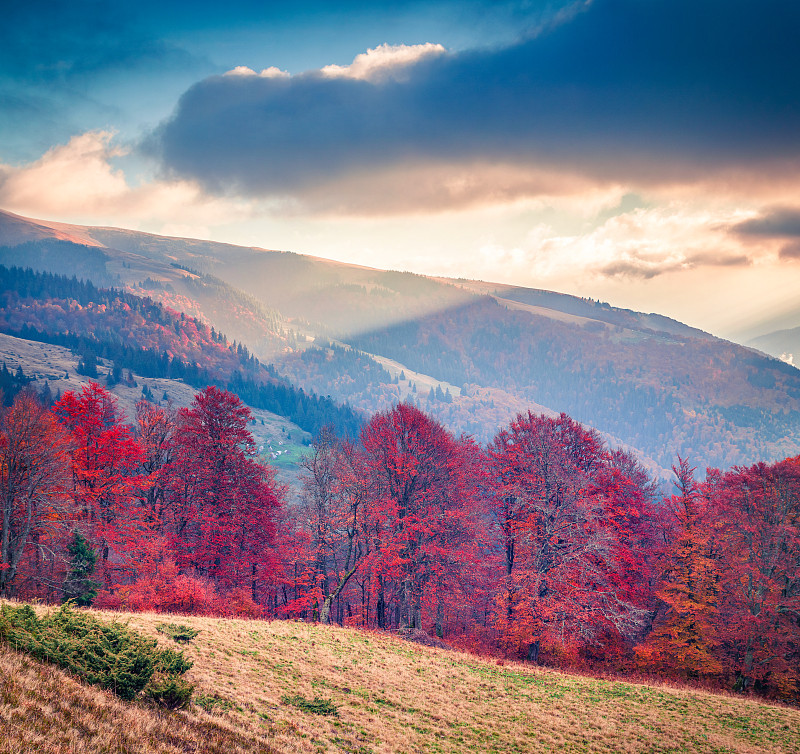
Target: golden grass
392	696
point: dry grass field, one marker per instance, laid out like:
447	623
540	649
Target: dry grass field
388	695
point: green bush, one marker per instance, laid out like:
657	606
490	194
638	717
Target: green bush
177	632
109	655
171	662
317	705
168	691
209	702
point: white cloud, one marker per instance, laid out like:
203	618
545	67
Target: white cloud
377	64
77	182
384	62
272	72
642	243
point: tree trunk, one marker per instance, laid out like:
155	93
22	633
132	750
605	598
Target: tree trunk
325	610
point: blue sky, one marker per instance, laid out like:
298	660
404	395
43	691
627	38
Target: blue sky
640	151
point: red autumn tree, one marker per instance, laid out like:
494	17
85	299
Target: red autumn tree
224	502
421	500
568	516
155	432
756	515
105	473
34	462
683	640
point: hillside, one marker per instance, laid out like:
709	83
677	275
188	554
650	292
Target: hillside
136	333
54	370
471	353
391	696
782	344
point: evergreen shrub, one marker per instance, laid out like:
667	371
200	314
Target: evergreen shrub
109	655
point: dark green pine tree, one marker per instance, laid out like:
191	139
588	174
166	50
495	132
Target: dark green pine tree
78	586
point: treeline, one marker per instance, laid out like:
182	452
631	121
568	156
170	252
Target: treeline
332	369
139	334
11	383
545	545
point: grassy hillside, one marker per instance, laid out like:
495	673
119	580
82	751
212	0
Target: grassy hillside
258	684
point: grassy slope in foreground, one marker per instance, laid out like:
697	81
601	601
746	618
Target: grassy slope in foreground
392	696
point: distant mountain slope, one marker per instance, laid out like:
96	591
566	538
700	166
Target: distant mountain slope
664	394
583	308
782	344
174	280
472	353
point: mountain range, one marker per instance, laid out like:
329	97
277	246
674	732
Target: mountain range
472	353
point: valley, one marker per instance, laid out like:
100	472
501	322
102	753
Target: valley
54	369
646	382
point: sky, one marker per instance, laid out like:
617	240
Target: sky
640	152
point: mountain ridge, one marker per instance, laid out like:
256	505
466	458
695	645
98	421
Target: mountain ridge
646	380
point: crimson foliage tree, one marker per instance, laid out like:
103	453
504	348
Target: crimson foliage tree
155	432
105	473
422	498
33	463
569	517
756	511
224	502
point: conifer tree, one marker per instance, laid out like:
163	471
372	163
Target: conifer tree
78	586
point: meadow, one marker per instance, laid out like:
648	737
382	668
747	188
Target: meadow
282	686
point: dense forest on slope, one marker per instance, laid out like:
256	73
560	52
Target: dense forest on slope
545	545
139	334
662	394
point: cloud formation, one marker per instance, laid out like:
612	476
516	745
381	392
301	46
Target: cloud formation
384	63
777	222
640	245
667	91
77	181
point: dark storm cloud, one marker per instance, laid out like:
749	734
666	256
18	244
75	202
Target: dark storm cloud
781	222
791	251
625	90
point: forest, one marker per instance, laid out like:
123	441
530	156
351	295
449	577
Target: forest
139	334
543	545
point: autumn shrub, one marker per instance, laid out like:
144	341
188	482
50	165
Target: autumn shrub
108	655
239	603
167	590
164	591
